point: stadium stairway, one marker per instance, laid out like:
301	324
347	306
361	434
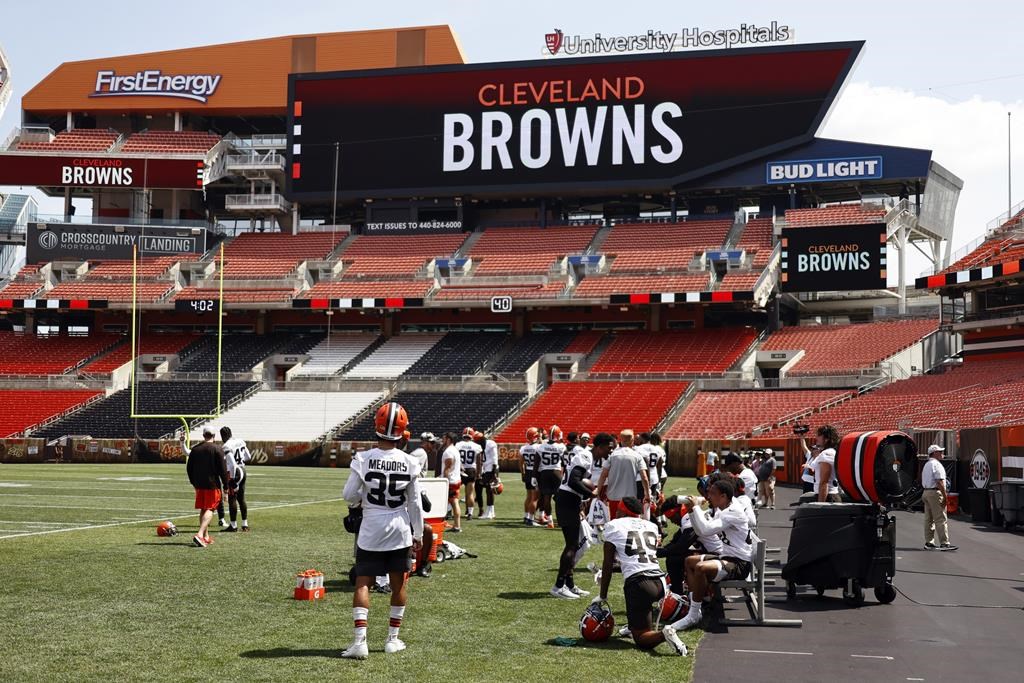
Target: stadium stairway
308	415
332	355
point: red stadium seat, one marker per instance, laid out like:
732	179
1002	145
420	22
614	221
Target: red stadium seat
842	214
721	414
674	352
30	355
21	409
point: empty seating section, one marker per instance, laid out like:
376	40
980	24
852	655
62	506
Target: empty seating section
442	412
305	245
979	394
257	269
596	407
585	342
237	295
998	250
147	342
757	234
551	290
427	246
458	353
331	355
514	264
604	285
75	140
239	352
652	261
381	267
120	292
690	352
720	414
842	214
20	290
738	282
21	409
525	351
30	355
558	241
395	356
417	289
847	349
291	415
109	418
170	142
122	270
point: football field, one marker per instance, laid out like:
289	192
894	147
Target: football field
90	592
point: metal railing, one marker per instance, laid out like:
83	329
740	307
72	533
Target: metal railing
263	141
256	201
108	220
256	160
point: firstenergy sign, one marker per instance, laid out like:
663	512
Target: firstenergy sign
611	123
155	83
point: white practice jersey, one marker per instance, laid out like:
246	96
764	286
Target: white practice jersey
451	455
386	485
421	457
490	456
528	452
581	457
712	542
468	452
732	526
236	454
749	482
550	455
636	541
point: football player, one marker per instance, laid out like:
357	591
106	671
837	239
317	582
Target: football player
488	475
528	470
451	469
384	482
734	561
549	472
633	541
577	486
686	541
236	454
471	455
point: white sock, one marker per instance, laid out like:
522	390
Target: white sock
245	522
233	525
359	617
397	613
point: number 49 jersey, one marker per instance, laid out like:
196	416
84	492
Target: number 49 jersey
386	484
636	541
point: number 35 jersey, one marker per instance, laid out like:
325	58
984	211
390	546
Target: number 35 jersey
386	484
636	542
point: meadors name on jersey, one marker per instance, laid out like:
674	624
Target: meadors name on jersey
824	170
388	465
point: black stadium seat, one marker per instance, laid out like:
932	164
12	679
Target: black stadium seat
526	350
109	418
458	353
239	353
442	412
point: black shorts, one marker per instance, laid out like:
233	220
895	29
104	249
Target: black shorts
735	570
567	511
468	475
380	562
548	482
488	478
655	490
530	481
642	591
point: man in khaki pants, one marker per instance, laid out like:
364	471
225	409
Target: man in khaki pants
933	479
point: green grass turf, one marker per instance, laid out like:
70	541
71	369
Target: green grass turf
119	603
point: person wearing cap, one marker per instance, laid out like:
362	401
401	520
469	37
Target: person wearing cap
585	441
933	479
208	473
423	454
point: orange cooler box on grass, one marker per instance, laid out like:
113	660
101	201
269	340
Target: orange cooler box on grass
436	490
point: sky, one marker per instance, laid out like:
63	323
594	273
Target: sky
940	76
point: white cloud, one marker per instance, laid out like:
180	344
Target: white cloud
967	137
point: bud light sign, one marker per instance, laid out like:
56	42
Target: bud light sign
823	170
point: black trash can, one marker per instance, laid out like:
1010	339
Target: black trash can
981	507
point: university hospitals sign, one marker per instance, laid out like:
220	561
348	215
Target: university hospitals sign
745	35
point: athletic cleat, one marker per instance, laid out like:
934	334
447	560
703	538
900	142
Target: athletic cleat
245	528
221	523
392	645
455	530
564	593
579	591
231	530
356	651
625	632
672	639
198	542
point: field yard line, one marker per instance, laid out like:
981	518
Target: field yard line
18	521
273	489
160	519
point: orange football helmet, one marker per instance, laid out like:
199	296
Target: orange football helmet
555	434
468	433
673	607
532	434
166	529
597	623
498	488
390	422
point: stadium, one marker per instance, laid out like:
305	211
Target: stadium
654	241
